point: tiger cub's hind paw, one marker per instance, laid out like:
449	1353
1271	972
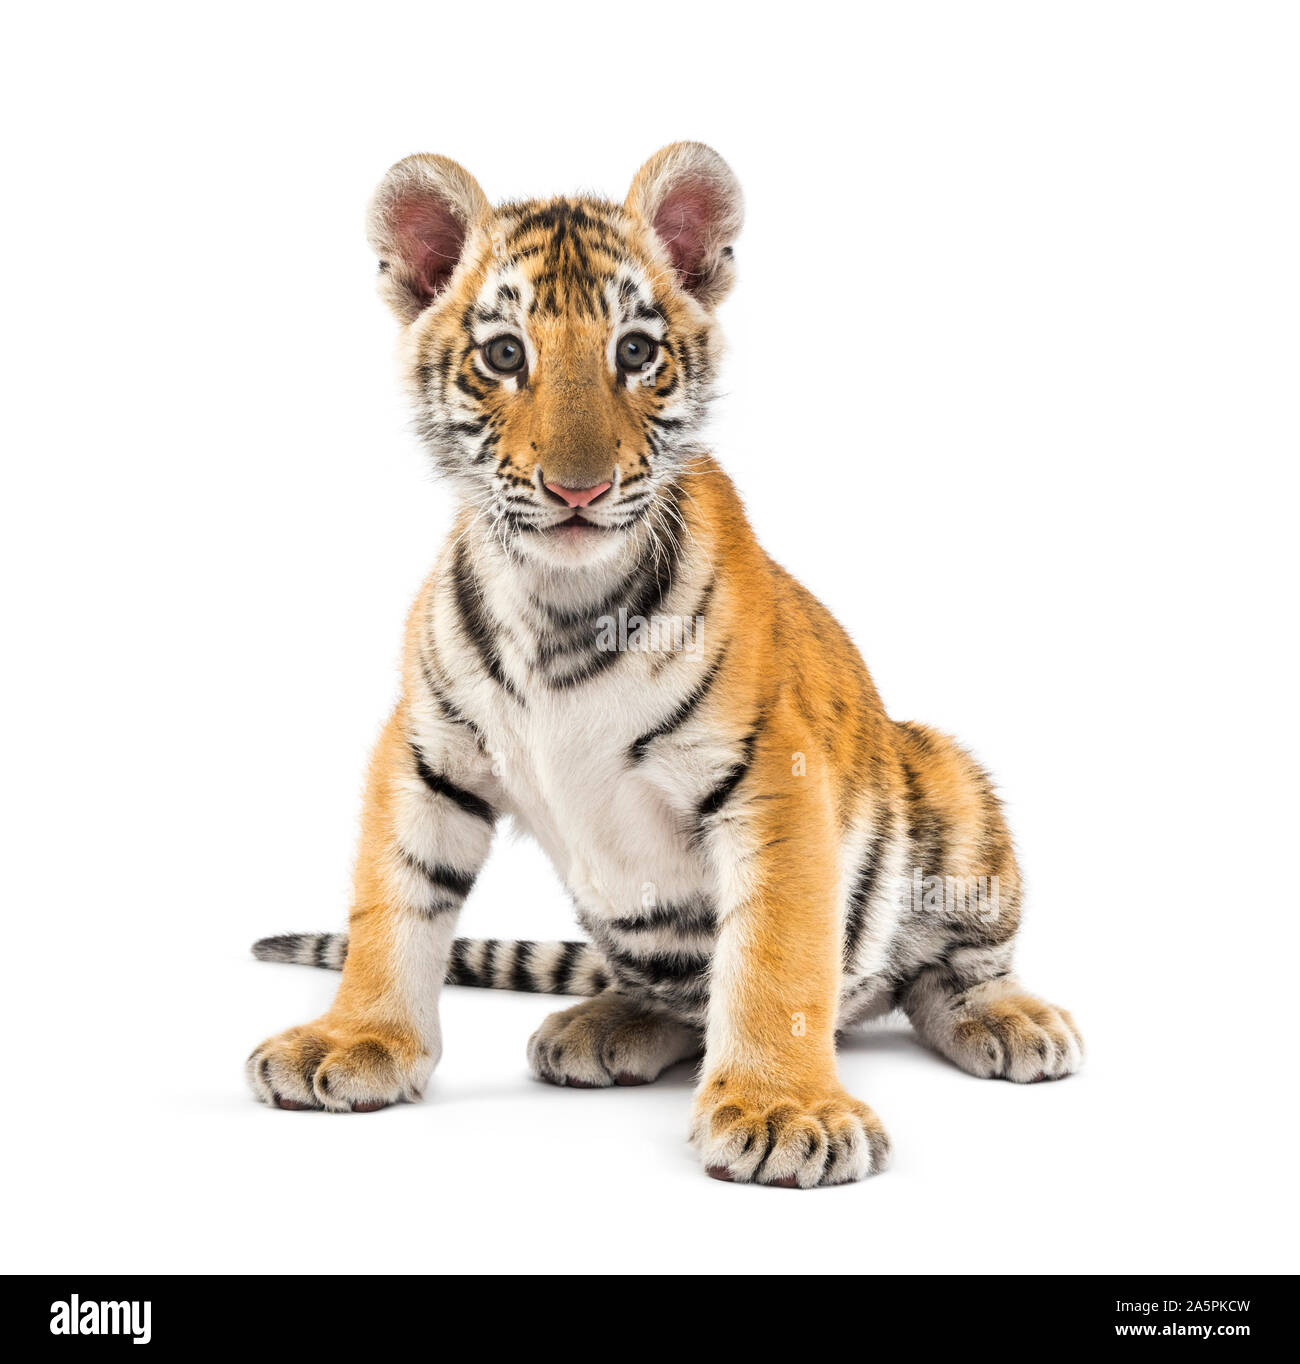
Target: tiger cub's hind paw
608	1040
1013	1037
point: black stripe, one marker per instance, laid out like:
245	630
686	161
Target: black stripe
702	606
657	968
439	785
699	916
520	979
664	568
474	621
560	981
566	640
865	884
656	582
679	716
440	875
487	970
586	616
925	827
456	972
468	389
716	798
450	711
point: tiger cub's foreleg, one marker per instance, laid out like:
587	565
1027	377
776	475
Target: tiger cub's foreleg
424	838
770	1108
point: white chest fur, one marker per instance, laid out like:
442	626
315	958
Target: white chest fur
618	834
615	820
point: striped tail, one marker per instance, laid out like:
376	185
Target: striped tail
537	968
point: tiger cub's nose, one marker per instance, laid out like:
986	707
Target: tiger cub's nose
578	497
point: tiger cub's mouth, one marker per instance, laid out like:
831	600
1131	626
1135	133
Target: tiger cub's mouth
578	525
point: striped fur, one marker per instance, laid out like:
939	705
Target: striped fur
539	968
758	854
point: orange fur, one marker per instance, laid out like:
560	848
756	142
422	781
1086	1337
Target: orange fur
816	761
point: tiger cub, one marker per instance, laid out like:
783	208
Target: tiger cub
759	855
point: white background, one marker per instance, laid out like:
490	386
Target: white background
1012	386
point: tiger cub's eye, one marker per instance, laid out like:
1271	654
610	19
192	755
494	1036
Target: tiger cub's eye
635	351
505	354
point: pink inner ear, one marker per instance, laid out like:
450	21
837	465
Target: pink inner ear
683	224
429	239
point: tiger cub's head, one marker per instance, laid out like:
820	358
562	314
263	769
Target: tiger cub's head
560	352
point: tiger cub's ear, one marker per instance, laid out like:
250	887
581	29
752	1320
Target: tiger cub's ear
419	218
688	195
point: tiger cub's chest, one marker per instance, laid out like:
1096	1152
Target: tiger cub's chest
614	830
625	854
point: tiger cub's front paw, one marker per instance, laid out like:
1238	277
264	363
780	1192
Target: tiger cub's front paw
341	1070
761	1139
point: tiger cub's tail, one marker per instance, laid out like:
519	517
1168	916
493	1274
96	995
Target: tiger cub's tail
539	968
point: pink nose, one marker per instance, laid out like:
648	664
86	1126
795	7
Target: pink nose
578	497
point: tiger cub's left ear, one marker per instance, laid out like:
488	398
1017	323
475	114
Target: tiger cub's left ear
689	196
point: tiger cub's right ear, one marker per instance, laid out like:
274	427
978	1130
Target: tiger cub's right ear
419	218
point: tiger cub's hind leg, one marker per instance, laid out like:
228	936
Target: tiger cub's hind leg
609	1040
962	998
992	1028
